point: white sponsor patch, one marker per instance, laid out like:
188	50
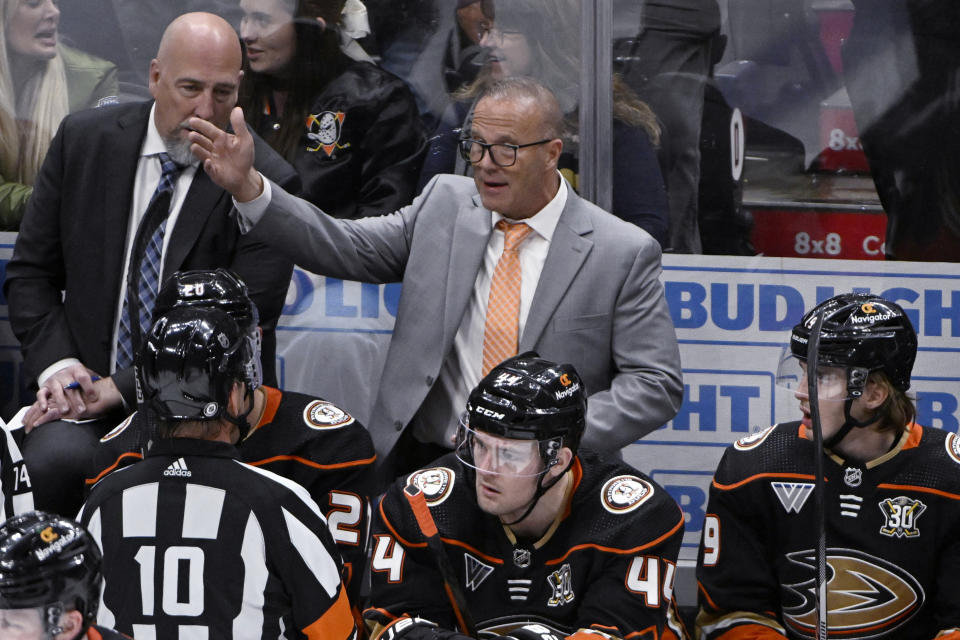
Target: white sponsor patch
321	414
120	428
623	494
436	483
753	440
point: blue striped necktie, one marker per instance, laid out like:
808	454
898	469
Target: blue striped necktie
144	268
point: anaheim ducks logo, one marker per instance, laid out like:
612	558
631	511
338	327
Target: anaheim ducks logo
321	414
952	445
323	131
753	440
867	596
623	494
120	428
436	483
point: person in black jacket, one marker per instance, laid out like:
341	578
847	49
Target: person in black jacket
351	129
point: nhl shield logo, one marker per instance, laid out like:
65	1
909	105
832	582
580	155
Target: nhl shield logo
625	493
853	476
901	515
436	483
521	558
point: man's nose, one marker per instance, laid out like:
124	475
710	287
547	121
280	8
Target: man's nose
203	108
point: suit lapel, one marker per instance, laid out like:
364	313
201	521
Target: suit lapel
471	234
198	206
568	250
123	153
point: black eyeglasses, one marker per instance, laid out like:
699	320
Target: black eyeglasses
503	154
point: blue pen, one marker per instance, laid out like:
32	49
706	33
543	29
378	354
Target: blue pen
76	385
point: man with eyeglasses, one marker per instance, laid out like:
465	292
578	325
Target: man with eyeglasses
508	261
543	538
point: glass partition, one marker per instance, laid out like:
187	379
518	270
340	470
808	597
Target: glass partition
804	128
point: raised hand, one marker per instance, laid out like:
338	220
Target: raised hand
227	157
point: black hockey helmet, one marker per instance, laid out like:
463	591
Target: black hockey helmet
217	289
190	362
862	333
52	563
528	398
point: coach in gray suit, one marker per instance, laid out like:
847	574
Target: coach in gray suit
590	295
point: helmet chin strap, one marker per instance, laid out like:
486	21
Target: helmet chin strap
243	426
849	423
541	489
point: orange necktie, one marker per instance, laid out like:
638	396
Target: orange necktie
501	331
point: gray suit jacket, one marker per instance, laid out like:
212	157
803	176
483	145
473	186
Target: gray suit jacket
599	303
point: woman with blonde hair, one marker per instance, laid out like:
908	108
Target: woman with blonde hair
41	81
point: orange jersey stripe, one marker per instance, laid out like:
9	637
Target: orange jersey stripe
703	590
760	476
335	624
457	543
131	454
642	633
652	543
315	465
910	487
752	632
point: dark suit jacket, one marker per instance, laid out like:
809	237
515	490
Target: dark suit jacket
63	280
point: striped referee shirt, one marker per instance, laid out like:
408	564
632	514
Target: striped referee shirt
15	487
198	545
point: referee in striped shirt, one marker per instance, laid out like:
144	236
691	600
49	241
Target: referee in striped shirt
196	544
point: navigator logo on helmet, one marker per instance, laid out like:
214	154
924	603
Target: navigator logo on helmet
51	564
861	334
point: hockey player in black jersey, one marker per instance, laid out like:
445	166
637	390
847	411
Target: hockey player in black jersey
196	543
300	437
536	539
49	580
892	498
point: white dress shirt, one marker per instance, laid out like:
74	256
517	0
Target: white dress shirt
436	421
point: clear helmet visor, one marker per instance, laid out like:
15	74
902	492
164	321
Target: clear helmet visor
23	624
495	454
792	376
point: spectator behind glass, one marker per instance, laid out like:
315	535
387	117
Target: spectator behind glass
41	81
541	38
350	128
